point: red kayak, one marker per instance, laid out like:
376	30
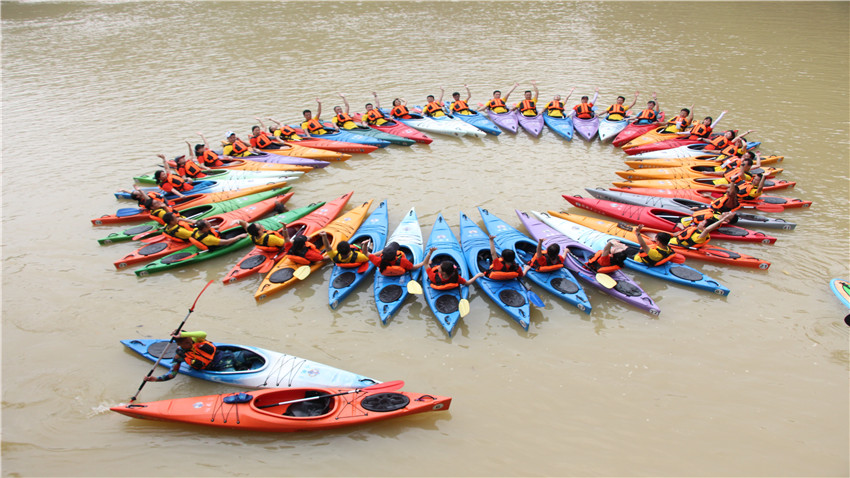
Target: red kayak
341	146
399	129
763	203
632	131
662	219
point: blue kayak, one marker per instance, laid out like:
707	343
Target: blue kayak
480	121
841	289
510	295
344	280
561	283
255	367
390	291
444	303
563	127
348	137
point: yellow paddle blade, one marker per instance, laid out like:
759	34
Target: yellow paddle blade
463	307
606	280
301	273
413	287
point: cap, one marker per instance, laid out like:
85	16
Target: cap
229	134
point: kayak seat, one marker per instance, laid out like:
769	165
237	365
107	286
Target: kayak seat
627	289
153	248
686	273
511	298
252	261
447	304
343	280
138	230
282	275
310	408
390	293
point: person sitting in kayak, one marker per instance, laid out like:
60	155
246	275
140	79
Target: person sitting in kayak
400	109
728	202
205	237
393	262
301	251
237	148
177	227
555	108
434	108
206	156
261	140
373	115
584	110
723	141
142	198
504	267
459	106
751	190
184	166
158	210
197	352
171	183
651	113
528	106
282	131
702	131
342	119
697	235
445	275
617	112
347	255
498	104
545	261
656	254
680	122
609	259
313	126
262	238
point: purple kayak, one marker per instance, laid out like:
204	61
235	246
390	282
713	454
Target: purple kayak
626	290
532	124
507	121
586	128
280	159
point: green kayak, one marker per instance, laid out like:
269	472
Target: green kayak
231	175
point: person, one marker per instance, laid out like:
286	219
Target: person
651	113
555	108
502	267
723	141
264	239
300	250
697	235
197	352
313	125
261	140
751	190
393	262
185	167
545	261
729	201
176	227
702	130
528	106
584	110
346	255
434	108
445	275
207	156
498	104
680	122
283	132
616	112
373	115
143	199
342	119
657	254
205	237
609	259
400	109
158	210
235	147
171	183
459	106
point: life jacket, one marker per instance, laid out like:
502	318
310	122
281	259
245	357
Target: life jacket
500	271
348	262
400	111
313	126
688	238
171	231
343	119
198	238
731	150
261	141
190	169
432	108
286	132
700	131
372	116
601	264
555	105
528	105
747	190
459	106
201	355
310	255
583	110
672	125
616	109
394	268
497	103
708	215
173	182
666	255
542	263
736	176
210	159
145	200
156	214
718	144
720	205
438	282
262	242
647	114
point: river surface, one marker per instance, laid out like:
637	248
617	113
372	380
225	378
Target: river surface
755	384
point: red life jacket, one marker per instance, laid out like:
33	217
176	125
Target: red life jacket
432	108
201	355
198	237
172	182
394	268
700	131
373	115
542	263
311	254
601	264
438	282
400	111
210	159
459	106
647	114
583	110
527	105
190	169
500	271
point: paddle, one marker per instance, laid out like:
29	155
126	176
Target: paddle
386	386
414	287
605	280
179	327
678	258
302	272
463	307
363	267
532	297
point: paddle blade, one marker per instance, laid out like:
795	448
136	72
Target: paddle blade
535	299
150	240
413	287
607	281
766	207
463	307
363	267
678	258
385	386
302	272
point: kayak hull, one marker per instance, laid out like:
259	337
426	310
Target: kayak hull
608	129
634	130
480	121
532	125
507	121
343	280
563	127
391	291
445	303
586	128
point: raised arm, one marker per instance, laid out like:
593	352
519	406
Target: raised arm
641	241
468	94
595	95
714	123
319	110
442	92
165	162
633	102
425	260
204	139
505	98
569	94
191	150
534	88
345	102
377	103
493	254
262	125
720	222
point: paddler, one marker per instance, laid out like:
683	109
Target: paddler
656	254
400	109
313	126
177	227
459	106
233	146
498	104
555	108
728	202
342	119
680	122
445	275
158	210
373	115
261	140
197	352
264	239
545	261
617	112
206	237
347	255
207	156
723	141
172	183
701	131
650	114
144	200
502	267
528	106
301	251
584	110
609	259
393	262
434	108
751	190
697	235
185	167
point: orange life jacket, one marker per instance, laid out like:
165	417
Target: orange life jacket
201	355
349	262
261	141
684	123
314	126
616	109
736	176
311	254
601	263
707	214
172	182
400	111
687	238
721	204
210	159
285	132
198	238
527	105
747	190
496	103
555	105
718	144
583	110
432	108
373	115
700	131
647	114
666	256
394	268
438	282
190	169
143	202
262	242
239	147
343	118
500	271
459	106
542	263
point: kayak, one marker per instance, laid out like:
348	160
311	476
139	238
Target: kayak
390	291
399	129
670	271
288	409
683	172
282	275
431	125
608	129
192	254
275	158
374	133
510	295
204	187
563	126
709	253
680	152
243	165
533	125
329	145
450	123
665	220
480	121
697	183
705	160
507	121
296	149
586	128
657	135
688	206
346	136
232	175
445	303
708	195
344	280
260	261
675	143
164	244
841	289
634	130
152	228
561	282
268	369
576	256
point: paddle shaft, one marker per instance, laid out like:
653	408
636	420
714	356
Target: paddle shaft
191	309
395	385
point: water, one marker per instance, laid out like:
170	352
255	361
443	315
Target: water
752	384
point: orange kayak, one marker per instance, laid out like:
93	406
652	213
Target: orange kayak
282	276
683	172
696	183
303	151
340	146
289	409
692	161
653	136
